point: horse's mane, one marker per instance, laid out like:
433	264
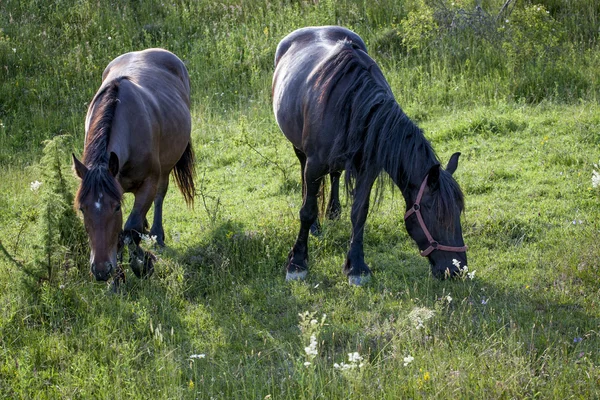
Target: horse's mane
375	134
95	155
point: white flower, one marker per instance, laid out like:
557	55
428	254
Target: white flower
408	360
484	301
419	322
354	357
149	239
314	322
456	263
449	299
34	186
307	363
595	177
193	356
354	362
471	275
311	349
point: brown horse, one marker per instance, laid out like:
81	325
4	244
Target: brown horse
137	130
334	105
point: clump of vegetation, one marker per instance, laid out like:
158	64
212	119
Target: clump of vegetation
61	236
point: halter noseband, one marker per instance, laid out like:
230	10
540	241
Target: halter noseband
433	245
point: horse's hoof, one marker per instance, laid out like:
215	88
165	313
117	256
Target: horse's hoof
296	276
358	280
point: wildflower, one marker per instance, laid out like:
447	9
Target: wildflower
471	275
484	301
34	186
426	376
193	356
311	349
408	360
449	299
149	239
419	316
191	384
577	340
354	362
456	263
354	357
419	322
307	363
595	177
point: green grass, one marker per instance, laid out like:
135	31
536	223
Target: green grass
526	326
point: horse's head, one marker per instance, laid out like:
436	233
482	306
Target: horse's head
433	220
99	200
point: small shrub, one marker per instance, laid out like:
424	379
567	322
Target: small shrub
62	238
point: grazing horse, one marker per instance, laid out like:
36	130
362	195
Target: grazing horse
334	105
137	130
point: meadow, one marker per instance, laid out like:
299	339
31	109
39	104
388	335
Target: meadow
513	85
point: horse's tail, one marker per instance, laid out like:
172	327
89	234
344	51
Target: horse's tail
184	172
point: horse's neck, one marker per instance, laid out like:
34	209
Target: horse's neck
409	176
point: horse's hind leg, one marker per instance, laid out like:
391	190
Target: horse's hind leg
315	228
334	208
297	267
355	267
157	226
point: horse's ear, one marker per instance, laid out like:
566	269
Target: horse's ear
79	168
113	164
433	176
453	163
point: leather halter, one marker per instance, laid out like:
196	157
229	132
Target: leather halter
433	245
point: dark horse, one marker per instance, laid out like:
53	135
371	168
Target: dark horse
333	103
137	130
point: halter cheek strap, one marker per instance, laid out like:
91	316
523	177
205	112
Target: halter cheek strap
433	244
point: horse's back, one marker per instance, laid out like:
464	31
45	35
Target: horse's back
151	126
156	70
317	35
299	58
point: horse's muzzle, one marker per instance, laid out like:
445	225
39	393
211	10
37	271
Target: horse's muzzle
102	274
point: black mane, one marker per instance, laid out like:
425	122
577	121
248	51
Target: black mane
374	133
95	156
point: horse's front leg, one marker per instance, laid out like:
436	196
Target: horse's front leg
297	267
355	268
141	262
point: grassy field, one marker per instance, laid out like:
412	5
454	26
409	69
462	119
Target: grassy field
516	91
